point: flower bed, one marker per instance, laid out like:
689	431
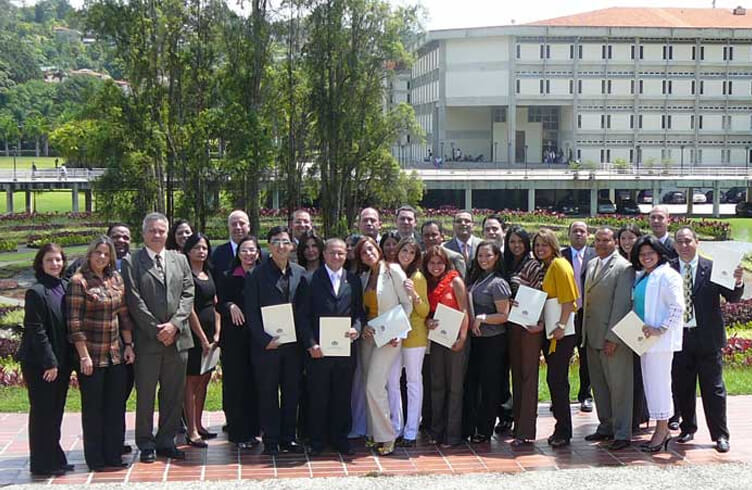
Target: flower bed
738	352
62	238
737	314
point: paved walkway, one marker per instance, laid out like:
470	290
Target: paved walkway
222	461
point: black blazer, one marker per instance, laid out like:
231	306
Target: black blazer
262	288
706	298
230	291
669	246
44	343
321	301
221	260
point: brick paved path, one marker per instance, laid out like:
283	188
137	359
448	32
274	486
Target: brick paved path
222	461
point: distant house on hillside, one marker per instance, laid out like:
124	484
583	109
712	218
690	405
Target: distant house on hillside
67	33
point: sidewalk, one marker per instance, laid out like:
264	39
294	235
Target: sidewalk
221	461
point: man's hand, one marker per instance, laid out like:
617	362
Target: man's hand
50	375
315	352
167	333
238	319
273	344
609	348
352	334
738	274
129	355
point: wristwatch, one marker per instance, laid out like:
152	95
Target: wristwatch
560	325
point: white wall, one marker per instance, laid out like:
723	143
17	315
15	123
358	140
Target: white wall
469	123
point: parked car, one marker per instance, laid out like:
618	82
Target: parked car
606	207
568	206
645	197
744	209
736	194
674	197
709	197
627	206
699	198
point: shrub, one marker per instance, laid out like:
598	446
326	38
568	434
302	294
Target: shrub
8	246
737	314
738	352
63	238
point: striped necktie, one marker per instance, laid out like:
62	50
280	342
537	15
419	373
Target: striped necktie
688	285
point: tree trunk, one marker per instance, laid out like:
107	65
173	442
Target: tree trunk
36	146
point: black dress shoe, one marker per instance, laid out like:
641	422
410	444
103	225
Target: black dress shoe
316	451
117	464
148	456
722	445
597	436
270	450
503	426
559	442
673	425
126	449
171	452
291	447
68	467
48	473
619	444
586	405
346	450
685	437
200	443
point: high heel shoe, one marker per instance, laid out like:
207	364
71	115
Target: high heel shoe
647	448
205	434
197	443
370	443
386	448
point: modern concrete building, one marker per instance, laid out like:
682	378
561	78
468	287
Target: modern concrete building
650	86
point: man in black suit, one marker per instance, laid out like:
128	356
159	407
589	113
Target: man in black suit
333	292
239	227
277	366
579	253
704	337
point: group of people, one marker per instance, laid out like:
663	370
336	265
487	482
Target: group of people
153	317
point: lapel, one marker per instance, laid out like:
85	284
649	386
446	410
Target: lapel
601	273
702	274
150	266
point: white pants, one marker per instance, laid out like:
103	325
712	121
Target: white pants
656	379
358	402
412	361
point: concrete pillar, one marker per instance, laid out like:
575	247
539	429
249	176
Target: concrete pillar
74	198
717	198
29	202
9	199
633	194
593	201
690	202
468	197
656	192
612	194
275	198
511	132
88	201
531	199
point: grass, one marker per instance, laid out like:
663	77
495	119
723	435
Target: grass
44	202
741	228
26	257
14	398
24	163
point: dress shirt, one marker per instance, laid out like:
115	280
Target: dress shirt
335	277
465	248
682	270
603	263
234	247
578	261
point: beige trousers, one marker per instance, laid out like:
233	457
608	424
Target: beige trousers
377	363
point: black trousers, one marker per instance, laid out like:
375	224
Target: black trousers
278	380
674	393
585	389
239	394
425	415
329	388
47	404
102	414
695	362
557	377
505	410
128	388
640	413
482	388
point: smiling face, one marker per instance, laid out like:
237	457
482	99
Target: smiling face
390	250
406	255
369	254
239	226
436	266
182	233
658	222
605	244
52	263
301	223
311	250
463	226
492	231
648	258
280	247
369	222
431	236
542	250
686	245
406	222
121	238
627	240
248	254
335	255
99	258
487	258
155	235
516	245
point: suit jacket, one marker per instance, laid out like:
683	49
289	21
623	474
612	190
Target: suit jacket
321	301
589	255
263	288
669	246
454	246
152	300
608	298
664	306
44	343
390	289
706	299
458	258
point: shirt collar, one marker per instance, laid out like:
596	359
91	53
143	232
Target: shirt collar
234	247
580	252
692	263
153	254
331	273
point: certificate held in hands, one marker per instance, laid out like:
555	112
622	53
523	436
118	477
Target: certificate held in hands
530	304
279	322
391	325
450	322
724	265
552	314
210	359
629	330
333	336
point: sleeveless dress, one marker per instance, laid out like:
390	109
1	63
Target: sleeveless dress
203	304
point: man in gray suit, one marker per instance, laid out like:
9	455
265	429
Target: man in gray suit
159	292
433	234
464	242
608	291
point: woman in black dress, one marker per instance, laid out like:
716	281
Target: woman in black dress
45	356
205	327
238	385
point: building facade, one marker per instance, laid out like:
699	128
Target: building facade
642	85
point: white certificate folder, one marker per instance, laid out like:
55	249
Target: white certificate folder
279	322
333	336
552	314
724	265
210	359
450	322
391	325
629	330
530	305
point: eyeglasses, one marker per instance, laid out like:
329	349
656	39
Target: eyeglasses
280	242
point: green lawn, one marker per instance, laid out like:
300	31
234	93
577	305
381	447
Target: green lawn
44	202
24	163
741	228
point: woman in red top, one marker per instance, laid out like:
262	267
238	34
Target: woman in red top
445	286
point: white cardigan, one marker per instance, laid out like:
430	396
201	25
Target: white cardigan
664	306
390	289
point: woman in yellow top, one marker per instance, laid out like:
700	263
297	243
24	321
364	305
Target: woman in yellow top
414	346
559	283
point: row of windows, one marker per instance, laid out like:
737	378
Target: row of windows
695	156
607	86
695	122
636	52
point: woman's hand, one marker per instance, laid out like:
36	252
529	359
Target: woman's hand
87	366
410	288
513	302
650	331
475	327
459	344
432	323
129	355
558	333
205	347
368	332
394	342
535	329
236	314
50	375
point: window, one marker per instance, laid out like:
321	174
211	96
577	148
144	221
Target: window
692	122
631	121
605	121
728	53
665	122
579	51
548	86
727	87
571	51
579	121
666	87
639	121
668	52
631	155
641	86
571	86
702	87
605	86
605	155
665	154
642	52
519	51
702	57
631	86
692	90
579	154
631	52
542	51
694	52
699	121
542	88
606	51
518	86
726	122
579	86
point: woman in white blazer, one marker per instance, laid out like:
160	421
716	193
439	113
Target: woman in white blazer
658	298
383	289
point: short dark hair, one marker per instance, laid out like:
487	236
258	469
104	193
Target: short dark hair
117	224
407	207
276	230
192	241
39	258
687	227
309	235
652	242
431	222
498	218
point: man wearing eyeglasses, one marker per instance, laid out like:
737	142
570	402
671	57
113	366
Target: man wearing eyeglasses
278	366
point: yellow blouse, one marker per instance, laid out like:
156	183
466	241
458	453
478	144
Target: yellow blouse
418	336
559	281
371	303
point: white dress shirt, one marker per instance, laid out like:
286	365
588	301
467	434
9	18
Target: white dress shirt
335	277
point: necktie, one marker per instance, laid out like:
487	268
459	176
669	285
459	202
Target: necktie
160	267
688	285
578	276
466	253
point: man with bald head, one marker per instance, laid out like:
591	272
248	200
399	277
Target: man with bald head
369	223
659	218
239	226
